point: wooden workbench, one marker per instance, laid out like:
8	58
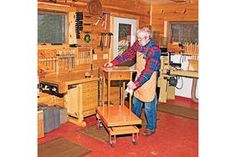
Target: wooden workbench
118	119
184	73
166	90
63	80
80	94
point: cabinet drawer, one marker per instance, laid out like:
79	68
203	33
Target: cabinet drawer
120	76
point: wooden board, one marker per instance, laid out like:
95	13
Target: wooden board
50	100
184	73
70	78
117	115
40	124
123	130
118	69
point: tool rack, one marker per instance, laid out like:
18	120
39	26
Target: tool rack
117	119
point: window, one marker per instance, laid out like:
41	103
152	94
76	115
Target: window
51	27
124	37
124	34
183	32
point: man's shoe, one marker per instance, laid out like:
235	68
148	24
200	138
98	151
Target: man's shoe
147	132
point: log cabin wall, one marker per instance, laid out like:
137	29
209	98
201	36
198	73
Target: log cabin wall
162	15
122	8
139	11
172	11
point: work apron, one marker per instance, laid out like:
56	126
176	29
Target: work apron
147	91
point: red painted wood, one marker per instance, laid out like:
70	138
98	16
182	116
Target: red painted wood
175	137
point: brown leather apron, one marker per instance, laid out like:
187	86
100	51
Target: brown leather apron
147	91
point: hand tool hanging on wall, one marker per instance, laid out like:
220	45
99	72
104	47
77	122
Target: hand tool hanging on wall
105	40
109	39
103	19
105	22
79	23
101	41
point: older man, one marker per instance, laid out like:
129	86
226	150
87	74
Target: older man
147	54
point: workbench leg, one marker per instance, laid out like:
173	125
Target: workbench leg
163	89
108	89
112	140
80	105
100	92
79	121
99	123
130	100
135	138
103	90
123	93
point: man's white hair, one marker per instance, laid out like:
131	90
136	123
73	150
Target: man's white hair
145	31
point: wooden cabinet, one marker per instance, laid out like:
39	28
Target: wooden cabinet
81	101
80	94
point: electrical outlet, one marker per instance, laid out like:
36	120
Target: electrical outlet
95	56
105	56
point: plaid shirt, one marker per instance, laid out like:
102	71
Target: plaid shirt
152	60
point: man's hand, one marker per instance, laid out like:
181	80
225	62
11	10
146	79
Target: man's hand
108	65
131	85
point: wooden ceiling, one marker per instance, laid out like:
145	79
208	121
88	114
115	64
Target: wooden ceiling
143	1
168	1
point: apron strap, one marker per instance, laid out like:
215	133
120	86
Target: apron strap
146	51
